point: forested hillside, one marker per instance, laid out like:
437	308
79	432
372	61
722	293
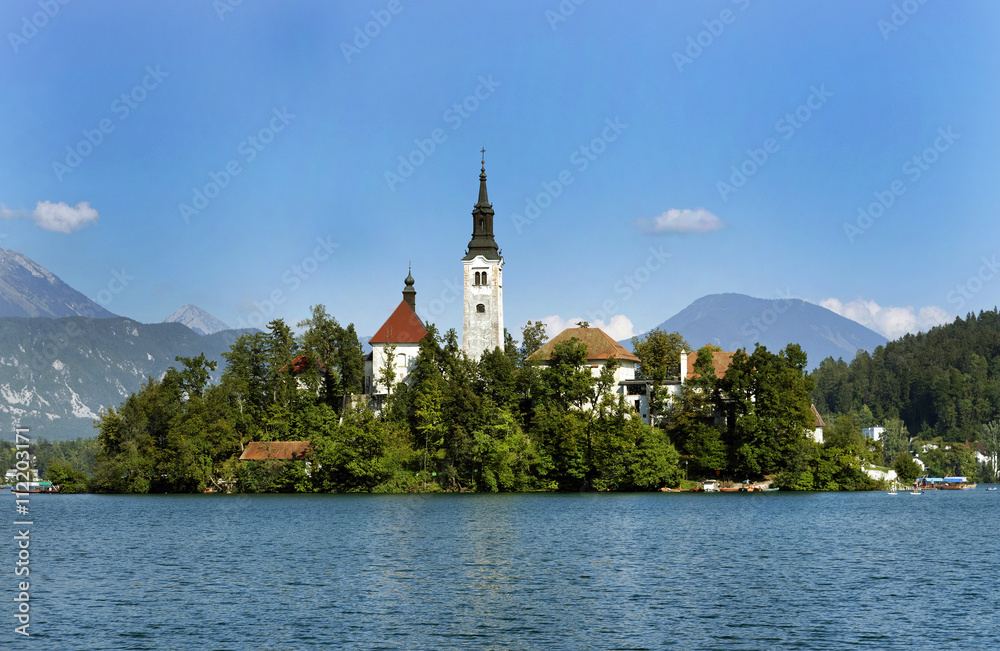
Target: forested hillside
942	383
937	393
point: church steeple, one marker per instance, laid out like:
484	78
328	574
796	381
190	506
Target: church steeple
482	242
410	294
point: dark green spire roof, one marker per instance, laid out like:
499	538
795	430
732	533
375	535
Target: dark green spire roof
410	294
482	242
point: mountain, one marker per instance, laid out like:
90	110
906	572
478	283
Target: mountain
56	375
735	321
197	319
29	290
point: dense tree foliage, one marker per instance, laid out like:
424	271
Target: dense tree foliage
935	393
503	423
499	424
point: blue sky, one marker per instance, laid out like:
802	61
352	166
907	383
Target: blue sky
259	158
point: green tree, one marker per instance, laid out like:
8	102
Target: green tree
659	354
68	478
907	470
567	376
533	337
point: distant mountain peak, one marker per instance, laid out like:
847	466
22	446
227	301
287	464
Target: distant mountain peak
197	319
734	321
27	289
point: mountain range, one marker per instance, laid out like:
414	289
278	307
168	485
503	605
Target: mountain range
734	321
57	375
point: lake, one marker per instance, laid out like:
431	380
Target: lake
522	571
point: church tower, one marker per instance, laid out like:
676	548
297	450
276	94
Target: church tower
482	326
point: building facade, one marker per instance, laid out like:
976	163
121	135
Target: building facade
399	336
482	322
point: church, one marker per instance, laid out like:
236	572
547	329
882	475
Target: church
482	304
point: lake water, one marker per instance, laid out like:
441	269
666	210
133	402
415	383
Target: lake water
537	571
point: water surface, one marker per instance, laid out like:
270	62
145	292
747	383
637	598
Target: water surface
536	571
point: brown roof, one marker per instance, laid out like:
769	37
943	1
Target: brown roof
260	450
402	327
819	419
721	359
599	345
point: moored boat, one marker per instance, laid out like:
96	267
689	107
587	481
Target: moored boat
955	484
34	487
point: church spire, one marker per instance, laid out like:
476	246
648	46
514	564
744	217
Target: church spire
410	294
484	199
482	242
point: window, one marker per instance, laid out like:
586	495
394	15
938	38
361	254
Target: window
484	278
477	278
482	223
481	308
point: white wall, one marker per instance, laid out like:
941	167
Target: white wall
482	331
406	359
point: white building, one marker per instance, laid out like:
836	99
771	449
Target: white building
404	330
482	323
600	349
874	433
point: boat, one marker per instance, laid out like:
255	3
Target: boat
710	486
769	489
730	489
34	487
992	488
955	484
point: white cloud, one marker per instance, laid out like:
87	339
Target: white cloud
889	321
63	218
678	220
618	326
58	217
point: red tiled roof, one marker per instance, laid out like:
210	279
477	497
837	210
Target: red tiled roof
403	327
721	359
260	450
301	363
599	345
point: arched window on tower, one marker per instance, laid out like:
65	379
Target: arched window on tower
481	308
476	281
484	278
482	223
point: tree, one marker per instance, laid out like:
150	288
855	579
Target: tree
659	353
567	375
907	470
533	337
68	478
659	359
387	372
895	440
430	419
766	398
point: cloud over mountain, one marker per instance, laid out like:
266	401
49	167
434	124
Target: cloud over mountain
893	322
